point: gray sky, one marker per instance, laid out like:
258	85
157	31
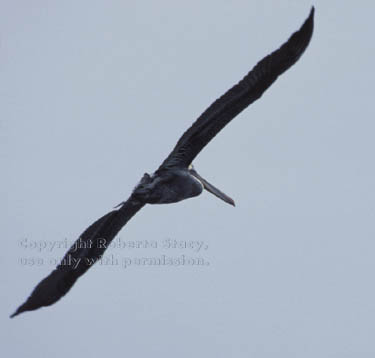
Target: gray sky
95	93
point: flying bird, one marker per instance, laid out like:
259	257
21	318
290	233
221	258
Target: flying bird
175	179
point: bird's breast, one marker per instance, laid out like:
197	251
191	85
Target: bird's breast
174	187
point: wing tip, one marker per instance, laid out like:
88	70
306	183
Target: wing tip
312	14
18	311
310	19
13	315
308	25
299	41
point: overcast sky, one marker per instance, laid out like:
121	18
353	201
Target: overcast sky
95	93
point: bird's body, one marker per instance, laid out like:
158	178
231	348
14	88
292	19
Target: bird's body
175	179
168	186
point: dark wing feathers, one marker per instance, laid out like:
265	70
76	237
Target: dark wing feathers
82	255
248	90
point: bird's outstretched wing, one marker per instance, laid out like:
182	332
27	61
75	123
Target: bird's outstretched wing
82	255
248	90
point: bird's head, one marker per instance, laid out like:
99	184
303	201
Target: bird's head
209	187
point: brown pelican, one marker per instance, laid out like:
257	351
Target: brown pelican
175	179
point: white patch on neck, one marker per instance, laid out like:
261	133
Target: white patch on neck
197	180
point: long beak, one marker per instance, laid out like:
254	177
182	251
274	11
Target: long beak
209	187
